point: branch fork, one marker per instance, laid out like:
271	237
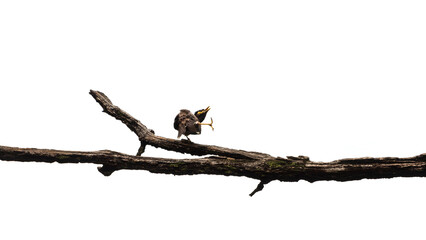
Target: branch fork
219	160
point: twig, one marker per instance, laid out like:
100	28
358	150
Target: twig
259	187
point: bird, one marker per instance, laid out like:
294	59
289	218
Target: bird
187	123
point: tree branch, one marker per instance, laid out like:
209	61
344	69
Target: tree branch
147	136
225	161
283	169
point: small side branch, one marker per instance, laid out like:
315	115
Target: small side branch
259	187
132	123
141	149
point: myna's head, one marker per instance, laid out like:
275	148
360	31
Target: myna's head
201	114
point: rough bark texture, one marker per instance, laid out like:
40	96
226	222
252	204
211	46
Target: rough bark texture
147	136
221	161
283	169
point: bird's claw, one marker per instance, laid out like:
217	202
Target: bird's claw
186	140
211	124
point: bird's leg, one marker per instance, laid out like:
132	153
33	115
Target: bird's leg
208	124
189	140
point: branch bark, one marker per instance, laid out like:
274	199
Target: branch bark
147	136
288	169
221	161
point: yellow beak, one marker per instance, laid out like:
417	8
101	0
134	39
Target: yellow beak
207	109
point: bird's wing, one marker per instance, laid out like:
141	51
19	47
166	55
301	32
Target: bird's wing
184	123
191	127
192	117
182	127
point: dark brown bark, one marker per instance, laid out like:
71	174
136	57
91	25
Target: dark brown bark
225	161
283	169
147	137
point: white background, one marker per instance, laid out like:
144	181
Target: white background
325	79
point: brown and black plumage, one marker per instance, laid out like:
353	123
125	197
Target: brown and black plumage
187	123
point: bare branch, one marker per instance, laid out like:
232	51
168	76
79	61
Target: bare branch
135	125
282	169
147	137
141	149
225	161
259	187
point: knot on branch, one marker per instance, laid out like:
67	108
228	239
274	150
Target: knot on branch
107	170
